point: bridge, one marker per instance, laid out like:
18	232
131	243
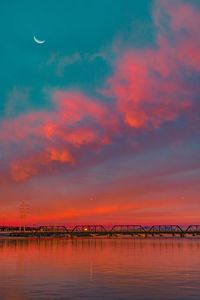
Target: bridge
90	230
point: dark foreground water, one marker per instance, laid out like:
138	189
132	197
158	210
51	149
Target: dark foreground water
99	269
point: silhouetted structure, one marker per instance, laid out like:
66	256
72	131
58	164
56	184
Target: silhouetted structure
101	230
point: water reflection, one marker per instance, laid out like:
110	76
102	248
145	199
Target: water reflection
99	268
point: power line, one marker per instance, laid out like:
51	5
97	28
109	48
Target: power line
23	213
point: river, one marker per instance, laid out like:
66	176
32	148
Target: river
104	268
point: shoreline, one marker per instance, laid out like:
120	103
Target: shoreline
94	237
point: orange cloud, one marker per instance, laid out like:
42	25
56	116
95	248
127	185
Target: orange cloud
61	156
25	168
147	89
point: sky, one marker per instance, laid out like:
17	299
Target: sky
100	124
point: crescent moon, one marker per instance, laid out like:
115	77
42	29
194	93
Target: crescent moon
38	41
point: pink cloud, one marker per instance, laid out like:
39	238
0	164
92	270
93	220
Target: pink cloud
147	90
26	167
149	84
143	96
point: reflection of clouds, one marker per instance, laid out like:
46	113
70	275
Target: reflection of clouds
16	293
43	266
91	271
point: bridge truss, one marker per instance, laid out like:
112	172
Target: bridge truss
101	230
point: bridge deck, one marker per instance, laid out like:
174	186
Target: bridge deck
101	230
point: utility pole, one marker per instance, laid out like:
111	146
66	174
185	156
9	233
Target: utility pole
23	212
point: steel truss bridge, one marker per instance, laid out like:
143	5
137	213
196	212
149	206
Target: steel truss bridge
101	230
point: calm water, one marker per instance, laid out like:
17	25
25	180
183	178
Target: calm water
99	269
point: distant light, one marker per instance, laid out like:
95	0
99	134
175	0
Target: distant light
85	229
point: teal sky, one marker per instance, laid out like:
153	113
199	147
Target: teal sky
82	31
106	109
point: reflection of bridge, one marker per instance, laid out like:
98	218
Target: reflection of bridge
100	230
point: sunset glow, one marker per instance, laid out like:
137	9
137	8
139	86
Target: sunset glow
118	143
